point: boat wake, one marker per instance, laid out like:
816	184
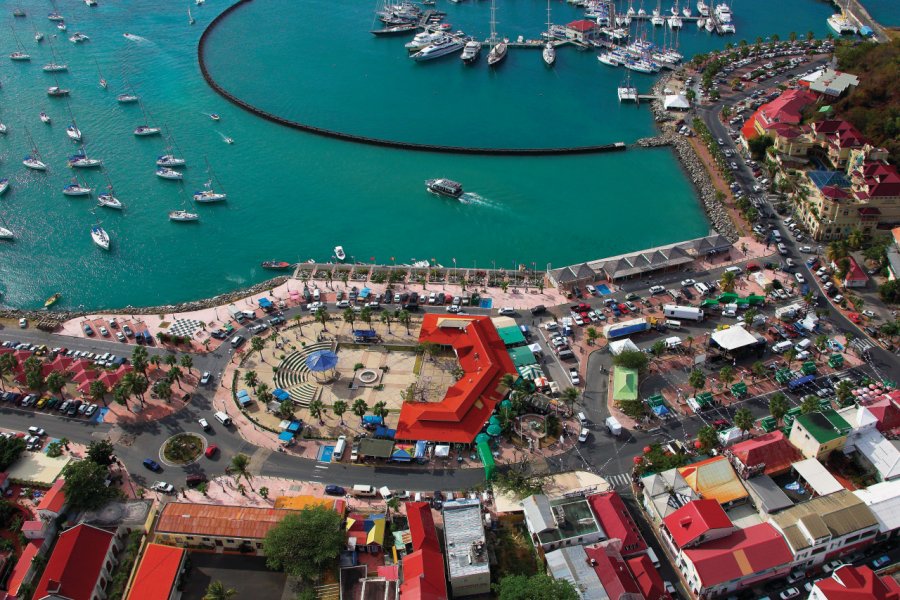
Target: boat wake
135	38
475	199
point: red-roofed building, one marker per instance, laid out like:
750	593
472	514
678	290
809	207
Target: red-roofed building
23	572
855	583
887	411
839	138
734	562
647	577
786	109
616	521
582	30
53	502
423	568
695	523
612	570
469	402
80	566
855	277
157	575
771	454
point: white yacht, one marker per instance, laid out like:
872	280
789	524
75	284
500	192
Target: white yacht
183	215
45	118
81	161
126	98
55	16
20	56
76	189
33	161
73	132
498	53
610	59
702	8
53	67
657	19
701	22
169	160
549	54
61	26
686	11
442	47
4	185
100	237
339	253
710	26
145	130
471	51
55	90
728	28
423	39
6	234
723	12
109	200
3	129
167	173
675	22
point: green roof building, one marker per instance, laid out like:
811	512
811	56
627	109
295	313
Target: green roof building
817	434
625	384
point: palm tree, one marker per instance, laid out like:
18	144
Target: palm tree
776	37
317	409
591	335
743	419
155	360
810	35
508	380
263	393
256	345
360	408
175	375
299	318
569	396
728	278
121	393
322	317
809	404
8	364
349	316
758	369
726	375
139	359
163	390
187	362
170	360
387	318
251	378
778	406
139	386
339	408
792	36
366	316
97	392
404	317
55	382
379	409
239	467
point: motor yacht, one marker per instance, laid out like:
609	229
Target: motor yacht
444	187
446	45
471	51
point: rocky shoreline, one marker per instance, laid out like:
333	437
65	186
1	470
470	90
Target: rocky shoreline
50	319
715	211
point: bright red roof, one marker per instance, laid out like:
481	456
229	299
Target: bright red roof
54	499
157	574
855	273
617	522
74	567
696	519
741	554
858	583
831	191
23	565
887	412
786	108
647	577
582	25
748	129
423	569
469	402
613	572
772	449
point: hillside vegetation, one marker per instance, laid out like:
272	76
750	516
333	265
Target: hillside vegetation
874	107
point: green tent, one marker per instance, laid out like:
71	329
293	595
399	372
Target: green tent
482	438
808	368
522	356
625	384
739	388
656	400
709	302
742	302
487	459
511	336
768	424
494	430
836	361
704	399
727	298
754	299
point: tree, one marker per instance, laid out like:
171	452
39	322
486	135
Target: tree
34	377
697	380
708	438
778	406
810	36
322	317
163	390
379	409
569	396
339	408
792	36
97	392
139	359
743	419
305	544
658	348
138	385
85	485
592	335
728	278
10	449
360	408
844	391
317	409
726	375
175	375
387	318
404	317
240	467
8	364
889	292
366	316
251	378
263	394
55	382
632	359
256	345
187	361
758	369
218	591
810	404
154	360
170	360
349	316
286	409
297	319
121	393
536	587
101	452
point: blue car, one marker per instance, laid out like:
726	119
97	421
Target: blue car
881	561
152	465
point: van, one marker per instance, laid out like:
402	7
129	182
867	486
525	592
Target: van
803	344
566	355
249	314
237	341
339	448
653	558
735	270
582	418
613	426
701	288
386	493
363	491
222	418
673	324
782	347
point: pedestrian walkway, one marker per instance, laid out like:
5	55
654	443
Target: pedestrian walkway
619	480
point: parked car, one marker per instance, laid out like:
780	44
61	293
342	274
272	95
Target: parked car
881	561
204	379
195	479
162	486
507	310
204	424
789	593
151	464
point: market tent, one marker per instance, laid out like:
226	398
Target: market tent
676	102
727	298
617	347
280	394
494	429
421	447
531	372
511	336
364	293
442	450
522	356
625	384
285	436
401	455
733	338
264	303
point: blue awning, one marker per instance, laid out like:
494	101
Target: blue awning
265	303
420	449
280	394
373	419
243	394
661	410
285	436
294	426
364	293
385	433
401	455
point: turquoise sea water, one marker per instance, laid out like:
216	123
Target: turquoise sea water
886	12
294	196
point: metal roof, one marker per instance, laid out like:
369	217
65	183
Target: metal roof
242	522
817	477
770	497
841	513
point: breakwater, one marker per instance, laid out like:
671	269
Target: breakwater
385	143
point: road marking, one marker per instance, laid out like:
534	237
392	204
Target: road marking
619	480
321	466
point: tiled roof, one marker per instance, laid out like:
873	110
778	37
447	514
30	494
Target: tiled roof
786	108
695	520
76	562
582	25
423	569
612	570
772	449
741	554
157	574
616	521
714	478
54	499
243	522
858	583
839	513
22	566
647	577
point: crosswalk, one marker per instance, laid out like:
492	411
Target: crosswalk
619	480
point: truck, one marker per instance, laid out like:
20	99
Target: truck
626	328
683	312
786	313
613	426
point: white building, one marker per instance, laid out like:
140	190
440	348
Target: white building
883	499
464	544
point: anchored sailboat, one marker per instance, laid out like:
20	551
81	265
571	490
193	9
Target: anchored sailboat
498	48
33	161
549	52
207	195
108	199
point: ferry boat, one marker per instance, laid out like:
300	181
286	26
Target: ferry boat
276	265
841	25
126	98
145	130
444	187
167	173
53	67
471	51
169	160
444	46
76	189
100	237
183	215
20	56
52	300
339	253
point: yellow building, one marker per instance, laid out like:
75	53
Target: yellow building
817	434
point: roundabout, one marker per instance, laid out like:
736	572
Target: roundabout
182	449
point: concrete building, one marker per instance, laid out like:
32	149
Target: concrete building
831	83
817	434
572	564
883	499
561	522
80	566
666	492
855	583
469	571
826	527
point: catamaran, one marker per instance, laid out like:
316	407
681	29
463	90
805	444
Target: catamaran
498	49
100	237
549	52
627	93
207	195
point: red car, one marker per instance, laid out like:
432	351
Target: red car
586	318
623	309
211	450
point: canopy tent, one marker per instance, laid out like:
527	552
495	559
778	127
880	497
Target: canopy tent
401	455
617	347
733	338
285	436
676	102
421	447
487	459
727	298
442	450
522	356
280	395
265	303
531	372
511	336
625	384
243	398
385	433
364	293
321	360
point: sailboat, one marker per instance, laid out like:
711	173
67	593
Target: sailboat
6	234
55	66
146	130
549	52
38	36
81	161
100	237
498	49
208	195
20	54
127	96
103	83
33	161
183	215
108	198
72	130
4	185
190	17
76	189
55	91
170	174
169	159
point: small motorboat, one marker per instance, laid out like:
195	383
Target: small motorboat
4	185
19	12
229	140
20	56
183	215
91	2
45	118
57	91
126	98
76	189
167	173
3	129
100	237
103	83
132	37
276	265
215	116
6	234
109	200
73	132
200	2
145	130
52	300
169	160
339	253
38	36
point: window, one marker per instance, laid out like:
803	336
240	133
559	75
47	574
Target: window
206	539
818	550
218	542
852	538
230	541
259	545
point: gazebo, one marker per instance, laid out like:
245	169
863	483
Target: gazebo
322	363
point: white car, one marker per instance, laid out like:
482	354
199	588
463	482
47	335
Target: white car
583	436
507	310
23	323
806	249
551	326
205	378
869	314
687	283
657	289
838	299
452	308
799	277
36	431
593	316
573	375
104	331
162	486
204	424
578	320
342	304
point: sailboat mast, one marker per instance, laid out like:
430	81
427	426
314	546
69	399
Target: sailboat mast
493	22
